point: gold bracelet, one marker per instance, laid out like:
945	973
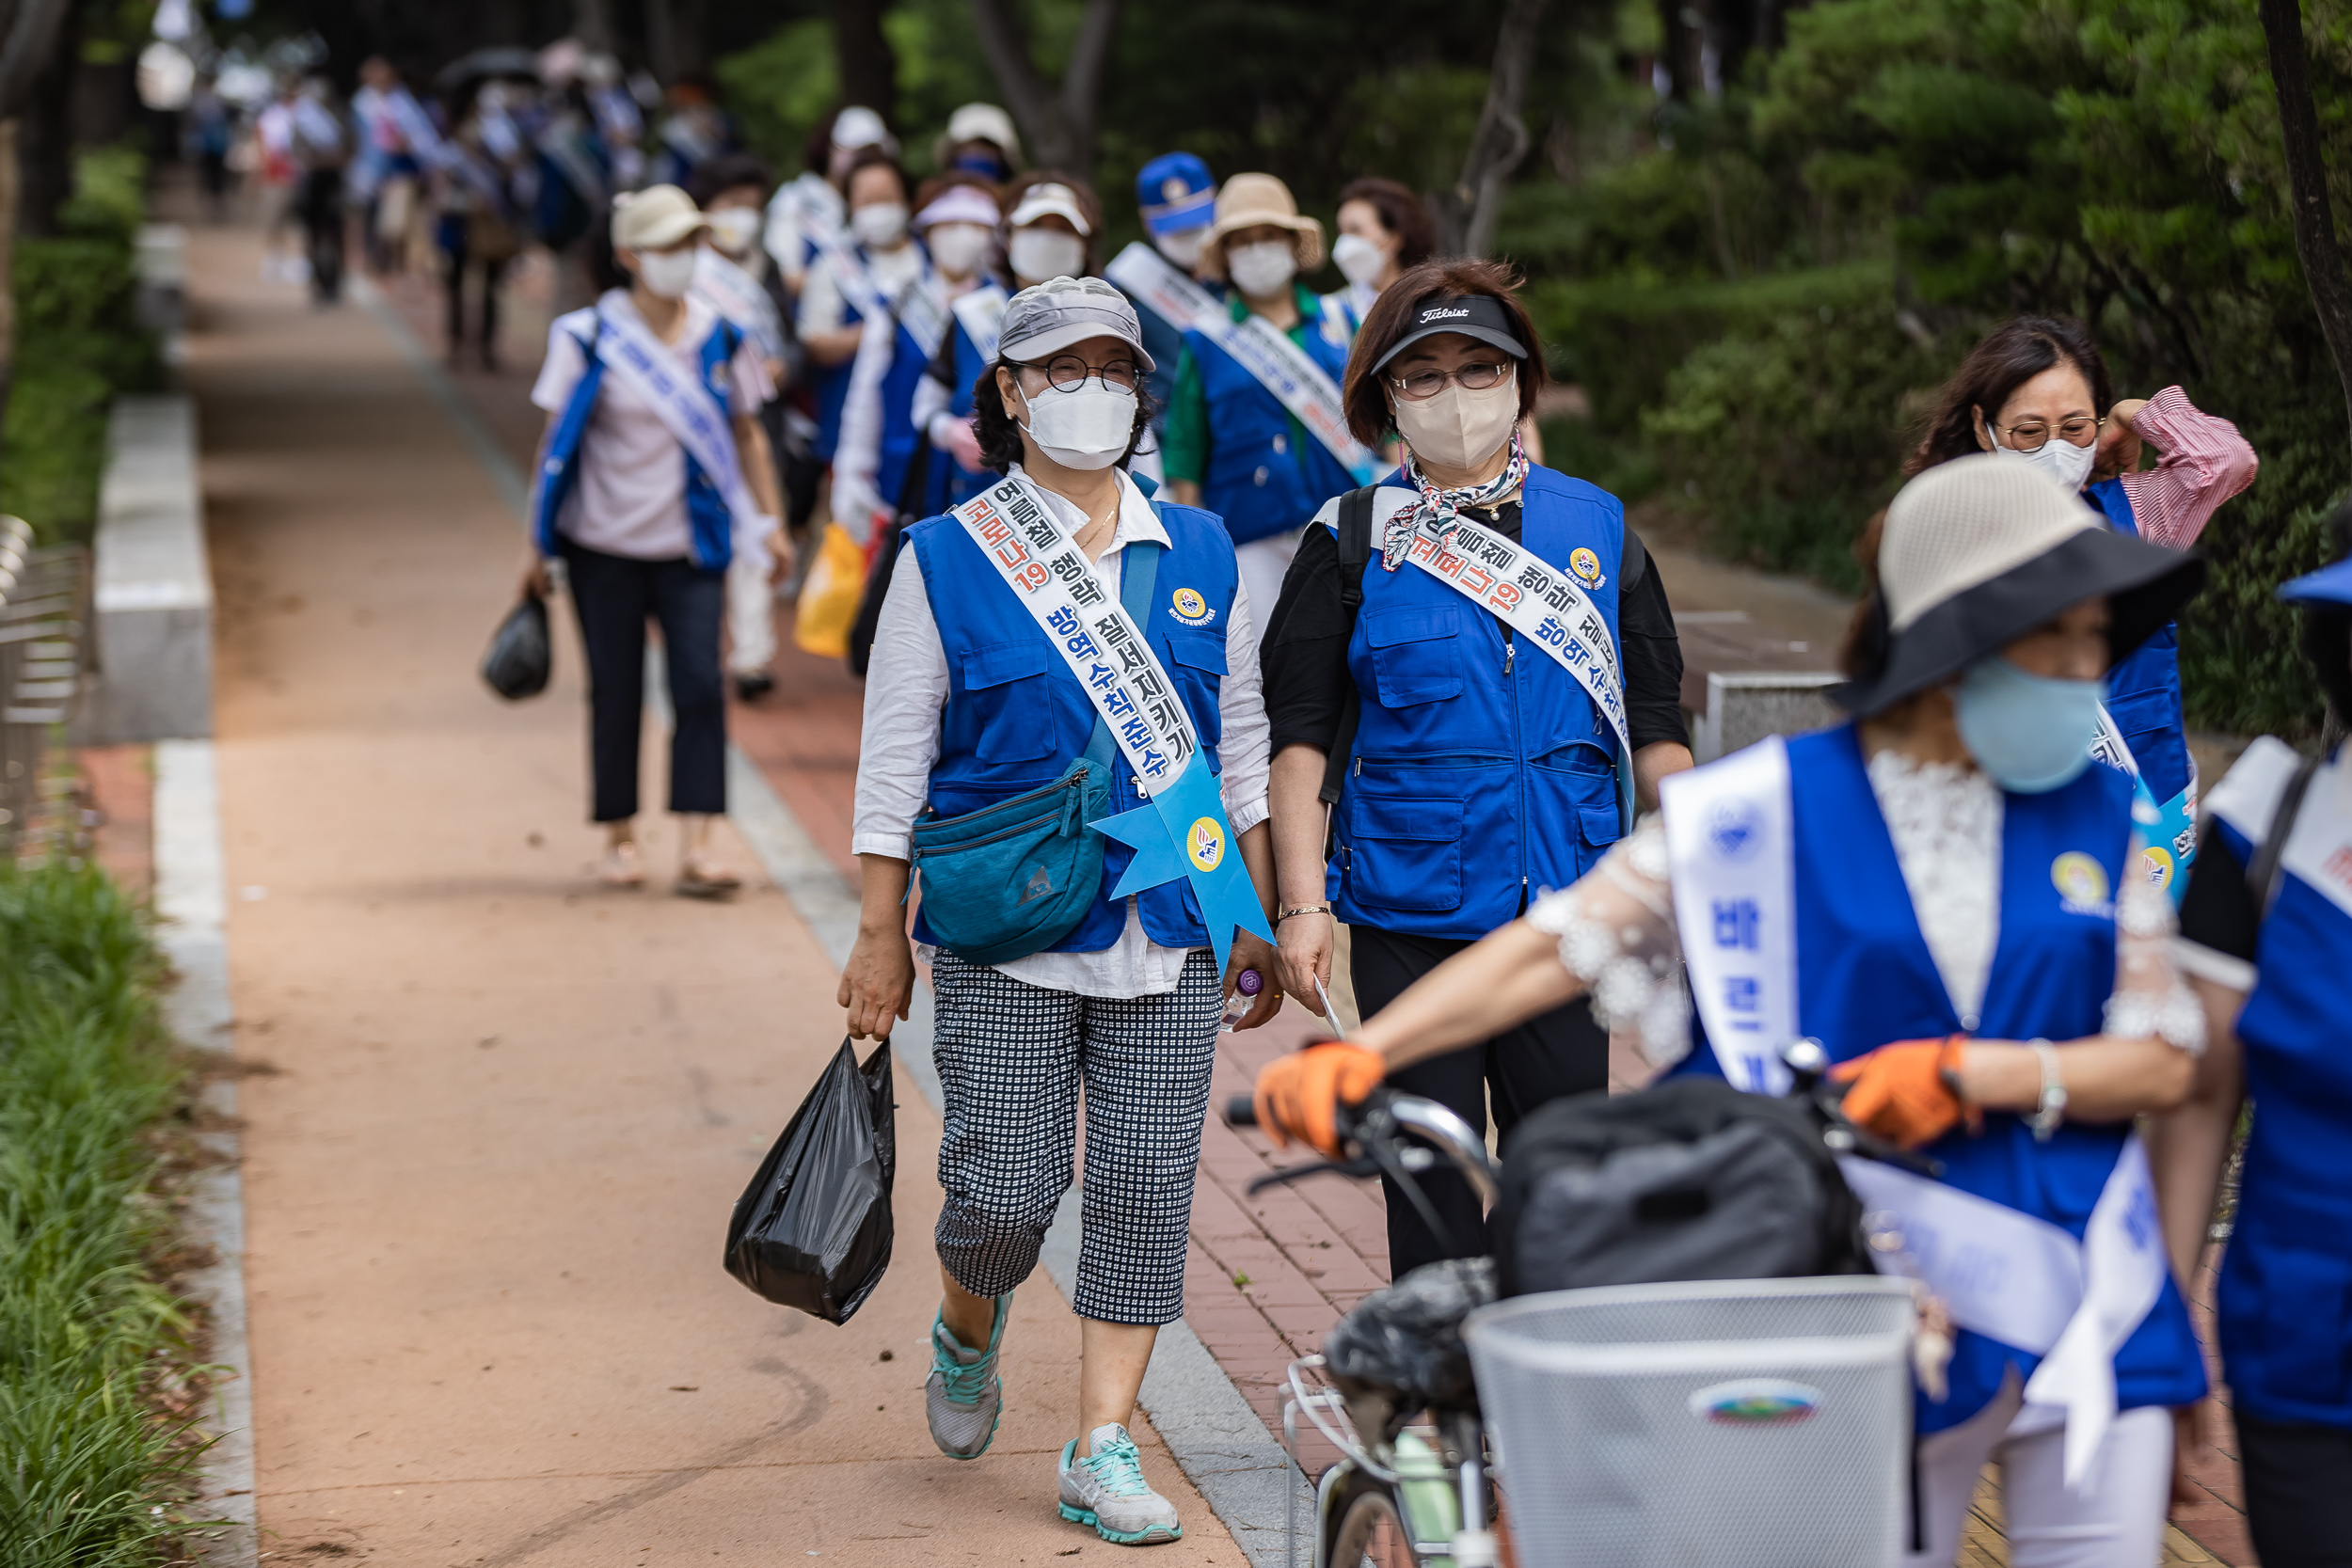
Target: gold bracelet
1303	909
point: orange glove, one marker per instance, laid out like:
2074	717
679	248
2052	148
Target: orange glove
1905	1092
1297	1096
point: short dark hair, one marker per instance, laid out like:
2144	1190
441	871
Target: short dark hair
726	172
1401	214
1000	434
1386	324
877	157
2010	355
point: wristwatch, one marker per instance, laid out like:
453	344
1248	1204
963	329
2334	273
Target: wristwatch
2051	1109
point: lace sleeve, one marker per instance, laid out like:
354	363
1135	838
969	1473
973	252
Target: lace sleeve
2152	996
1617	931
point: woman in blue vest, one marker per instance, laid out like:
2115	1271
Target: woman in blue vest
970	705
879	259
2266	937
1228	443
645	529
1962	930
1479	770
961	225
2035	388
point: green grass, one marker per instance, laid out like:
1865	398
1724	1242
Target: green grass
92	1473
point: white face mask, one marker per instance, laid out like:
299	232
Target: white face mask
1360	260
1088	428
960	249
880	225
667	273
1037	254
1262	269
1184	249
733	230
2060	458
1457	429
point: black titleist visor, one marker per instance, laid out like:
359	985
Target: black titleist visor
1479	316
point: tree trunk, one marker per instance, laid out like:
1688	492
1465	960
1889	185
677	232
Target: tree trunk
1465	214
8	269
592	23
1056	123
26	40
44	136
869	66
2307	179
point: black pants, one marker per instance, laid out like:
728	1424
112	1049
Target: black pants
1561	1053
454	282
615	595
2299	1492
320	204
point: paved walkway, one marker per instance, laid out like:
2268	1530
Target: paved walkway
496	1118
1266	1276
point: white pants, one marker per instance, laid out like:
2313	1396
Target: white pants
751	618
2115	1521
1263	563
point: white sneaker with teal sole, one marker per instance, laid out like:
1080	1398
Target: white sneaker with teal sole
963	1398
1106	1490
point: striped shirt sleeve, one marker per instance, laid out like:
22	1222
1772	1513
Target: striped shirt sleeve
2202	461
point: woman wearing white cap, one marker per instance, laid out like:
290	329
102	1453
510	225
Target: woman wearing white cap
807	211
1256	431
1016	630
653	475
1051	224
980	140
1946	894
960	227
849	282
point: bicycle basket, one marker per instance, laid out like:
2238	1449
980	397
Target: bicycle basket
1755	1423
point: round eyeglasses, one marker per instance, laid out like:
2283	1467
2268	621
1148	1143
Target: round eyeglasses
1423	384
1066	372
2033	435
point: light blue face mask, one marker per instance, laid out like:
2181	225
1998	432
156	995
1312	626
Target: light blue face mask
2029	733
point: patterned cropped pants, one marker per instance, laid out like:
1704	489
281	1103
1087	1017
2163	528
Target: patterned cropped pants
1011	1058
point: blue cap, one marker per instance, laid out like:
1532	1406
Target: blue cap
2328	585
1176	193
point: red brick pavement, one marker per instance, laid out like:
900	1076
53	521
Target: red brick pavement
1266	1276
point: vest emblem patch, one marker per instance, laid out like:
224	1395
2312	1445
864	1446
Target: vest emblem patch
1039	886
1205	841
2082	884
1585	567
1190	607
2155	863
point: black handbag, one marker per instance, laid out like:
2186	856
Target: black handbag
520	658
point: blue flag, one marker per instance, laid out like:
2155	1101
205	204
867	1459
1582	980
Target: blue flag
1182	832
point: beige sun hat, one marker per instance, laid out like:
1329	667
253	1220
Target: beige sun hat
1979	552
1246	200
654	219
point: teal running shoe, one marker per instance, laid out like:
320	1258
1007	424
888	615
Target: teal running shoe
964	1397
1106	1490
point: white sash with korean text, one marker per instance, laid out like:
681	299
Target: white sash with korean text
1280	365
687	409
982	312
1539	602
1731	853
923	314
728	287
1043	566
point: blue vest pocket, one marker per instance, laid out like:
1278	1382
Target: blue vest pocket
1196	662
1007	684
1404	853
1416	655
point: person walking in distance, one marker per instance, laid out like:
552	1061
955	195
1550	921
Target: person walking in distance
653	473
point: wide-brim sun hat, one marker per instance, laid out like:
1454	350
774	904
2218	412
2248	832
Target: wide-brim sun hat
1046	318
1247	200
654	219
1979	552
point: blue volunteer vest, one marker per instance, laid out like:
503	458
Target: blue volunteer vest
1865	979
2144	692
710	525
1016	718
1481	771
2286	1278
829	385
1264	479
908	362
952	483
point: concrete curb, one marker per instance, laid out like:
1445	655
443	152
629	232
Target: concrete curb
191	907
1217	1438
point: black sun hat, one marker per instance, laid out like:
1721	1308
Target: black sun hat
1979	552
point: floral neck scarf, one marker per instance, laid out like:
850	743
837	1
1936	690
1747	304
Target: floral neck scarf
1439	511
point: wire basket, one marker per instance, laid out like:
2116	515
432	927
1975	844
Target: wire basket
1724	1424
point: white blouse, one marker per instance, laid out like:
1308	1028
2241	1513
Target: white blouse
1616	925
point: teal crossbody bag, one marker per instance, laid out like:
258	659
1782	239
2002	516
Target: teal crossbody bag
1015	877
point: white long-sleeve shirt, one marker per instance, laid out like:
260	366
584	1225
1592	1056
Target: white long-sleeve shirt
906	692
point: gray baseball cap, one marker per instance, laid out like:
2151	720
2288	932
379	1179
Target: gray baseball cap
1048	317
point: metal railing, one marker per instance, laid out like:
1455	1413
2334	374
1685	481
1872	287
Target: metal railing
44	609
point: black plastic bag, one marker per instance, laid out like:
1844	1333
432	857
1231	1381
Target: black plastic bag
813	1229
520	658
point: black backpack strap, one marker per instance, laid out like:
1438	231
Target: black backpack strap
1355	532
2262	877
1632	561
